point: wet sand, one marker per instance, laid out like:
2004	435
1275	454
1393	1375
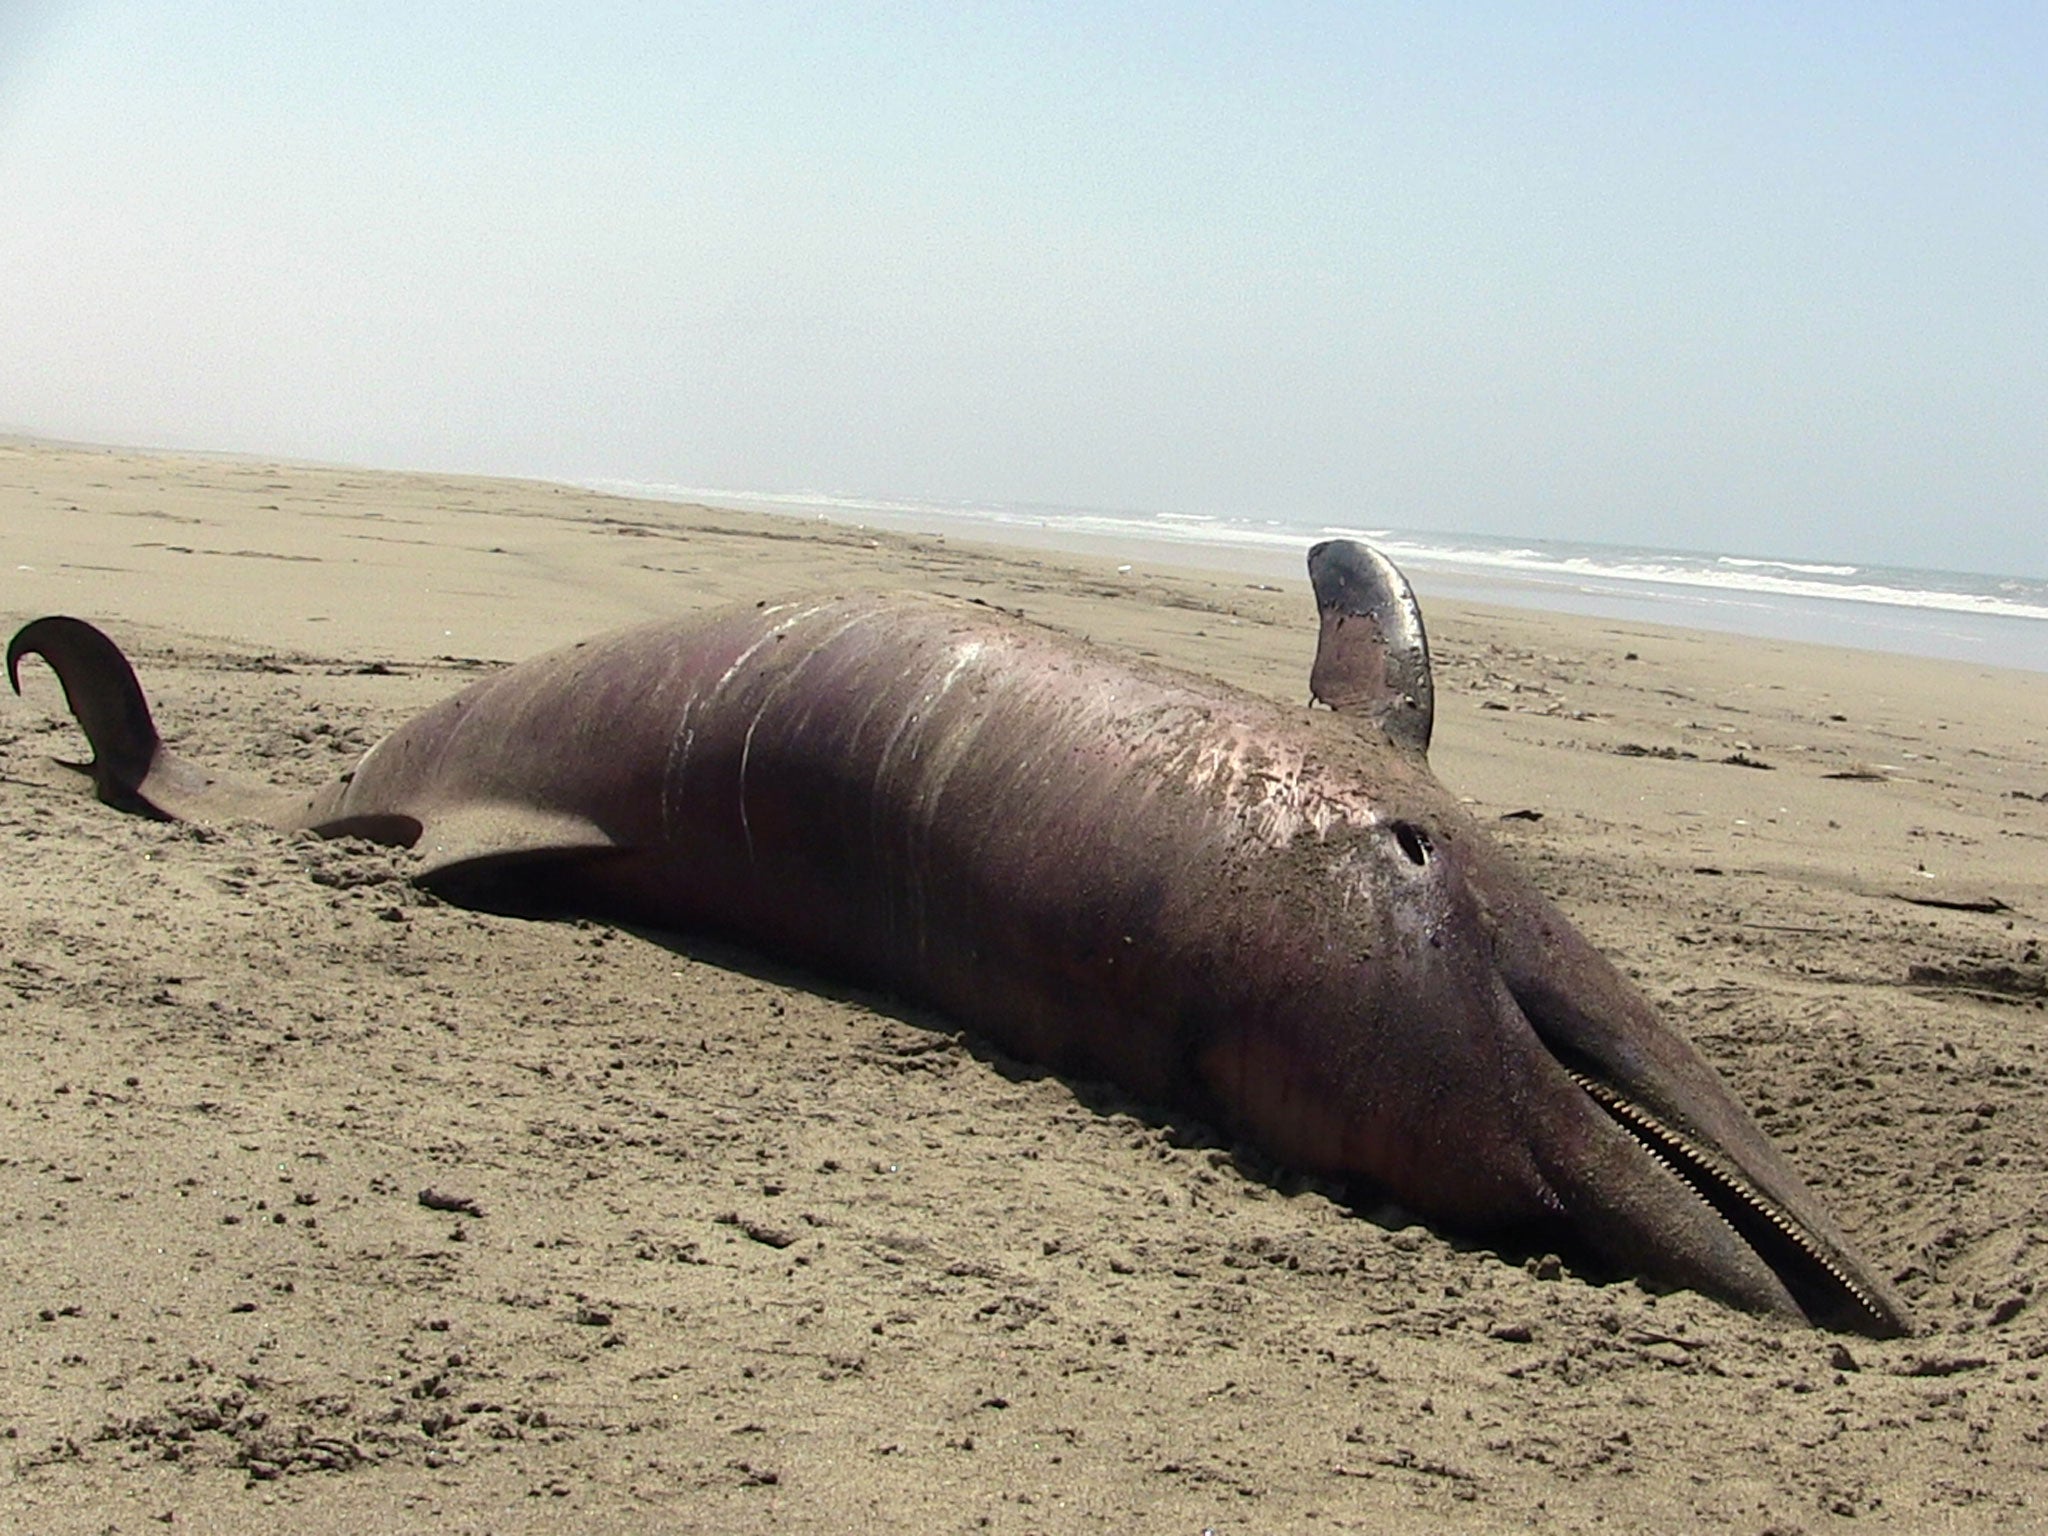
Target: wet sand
726	1249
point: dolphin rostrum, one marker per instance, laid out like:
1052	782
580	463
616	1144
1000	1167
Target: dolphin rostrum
1274	917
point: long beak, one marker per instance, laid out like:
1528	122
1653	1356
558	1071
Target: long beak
1661	1169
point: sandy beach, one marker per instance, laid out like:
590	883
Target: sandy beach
717	1247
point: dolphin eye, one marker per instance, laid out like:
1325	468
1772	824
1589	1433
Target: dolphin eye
1414	843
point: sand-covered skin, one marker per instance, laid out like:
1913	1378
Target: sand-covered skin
743	1251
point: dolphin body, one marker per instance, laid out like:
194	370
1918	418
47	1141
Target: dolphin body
1274	917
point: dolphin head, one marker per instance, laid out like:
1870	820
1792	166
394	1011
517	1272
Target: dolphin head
1578	1100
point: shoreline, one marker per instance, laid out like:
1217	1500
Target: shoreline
1926	629
1864	627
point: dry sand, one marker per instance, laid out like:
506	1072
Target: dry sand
751	1253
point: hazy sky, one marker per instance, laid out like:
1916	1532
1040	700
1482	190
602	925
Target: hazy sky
1758	277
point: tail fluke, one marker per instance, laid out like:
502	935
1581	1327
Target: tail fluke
131	768
101	689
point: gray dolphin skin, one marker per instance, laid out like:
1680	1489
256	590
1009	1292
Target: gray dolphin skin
1273	917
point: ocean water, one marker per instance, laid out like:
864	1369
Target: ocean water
1994	620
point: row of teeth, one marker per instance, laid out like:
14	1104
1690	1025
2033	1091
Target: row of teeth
1651	1130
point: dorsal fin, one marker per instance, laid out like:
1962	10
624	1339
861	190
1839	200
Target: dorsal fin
1372	657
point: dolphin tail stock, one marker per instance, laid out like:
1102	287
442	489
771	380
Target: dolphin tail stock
131	768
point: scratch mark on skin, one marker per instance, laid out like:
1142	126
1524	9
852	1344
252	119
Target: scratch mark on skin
769	636
965	655
819	646
746	751
676	767
950	747
684	737
932	787
1276	797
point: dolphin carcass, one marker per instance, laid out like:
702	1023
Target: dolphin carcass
1273	917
